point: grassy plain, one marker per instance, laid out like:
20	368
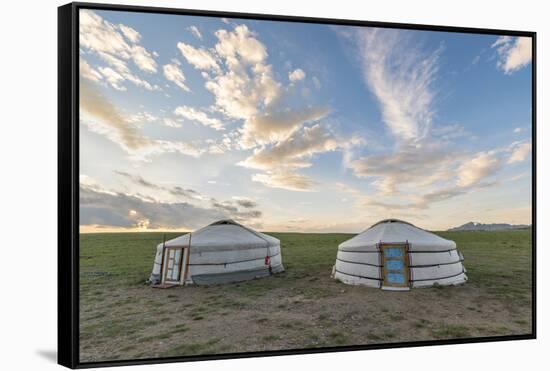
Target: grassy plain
123	318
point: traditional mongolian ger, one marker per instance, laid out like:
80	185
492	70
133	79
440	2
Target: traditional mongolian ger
222	252
396	255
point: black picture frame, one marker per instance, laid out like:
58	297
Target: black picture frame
68	180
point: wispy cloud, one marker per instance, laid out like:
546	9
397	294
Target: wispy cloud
401	77
200	58
173	73
94	104
201	117
87	72
285	179
131	34
175	190
102	117
195	31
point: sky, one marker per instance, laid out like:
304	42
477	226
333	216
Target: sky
185	120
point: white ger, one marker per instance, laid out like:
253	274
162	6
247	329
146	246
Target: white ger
396	255
224	251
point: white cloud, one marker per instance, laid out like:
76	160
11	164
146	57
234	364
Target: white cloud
240	43
239	96
117	63
482	165
192	114
99	35
514	53
140	82
141	117
236	72
131	34
518	130
171	123
124	73
113	77
88	72
116	45
296	75
198	57
195	31
143	59
173	73
244	87
520	153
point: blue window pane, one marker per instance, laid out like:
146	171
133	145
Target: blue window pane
393	252
394	265
398	278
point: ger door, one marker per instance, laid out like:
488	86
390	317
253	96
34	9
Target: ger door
173	264
395	267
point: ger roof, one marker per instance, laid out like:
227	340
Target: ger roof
223	235
396	231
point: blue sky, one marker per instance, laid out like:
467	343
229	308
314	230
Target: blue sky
299	127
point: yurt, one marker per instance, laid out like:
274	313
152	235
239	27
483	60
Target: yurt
396	255
222	252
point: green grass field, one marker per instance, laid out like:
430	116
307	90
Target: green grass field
123	318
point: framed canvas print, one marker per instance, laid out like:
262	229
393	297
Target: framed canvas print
240	185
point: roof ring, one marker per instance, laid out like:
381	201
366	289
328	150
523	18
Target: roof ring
224	221
384	221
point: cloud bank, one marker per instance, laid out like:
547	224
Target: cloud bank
102	208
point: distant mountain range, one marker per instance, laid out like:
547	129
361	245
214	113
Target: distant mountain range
473	226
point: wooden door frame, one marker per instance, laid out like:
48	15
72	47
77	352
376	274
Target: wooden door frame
165	264
405	259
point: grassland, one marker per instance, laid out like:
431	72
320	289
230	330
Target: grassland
122	318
